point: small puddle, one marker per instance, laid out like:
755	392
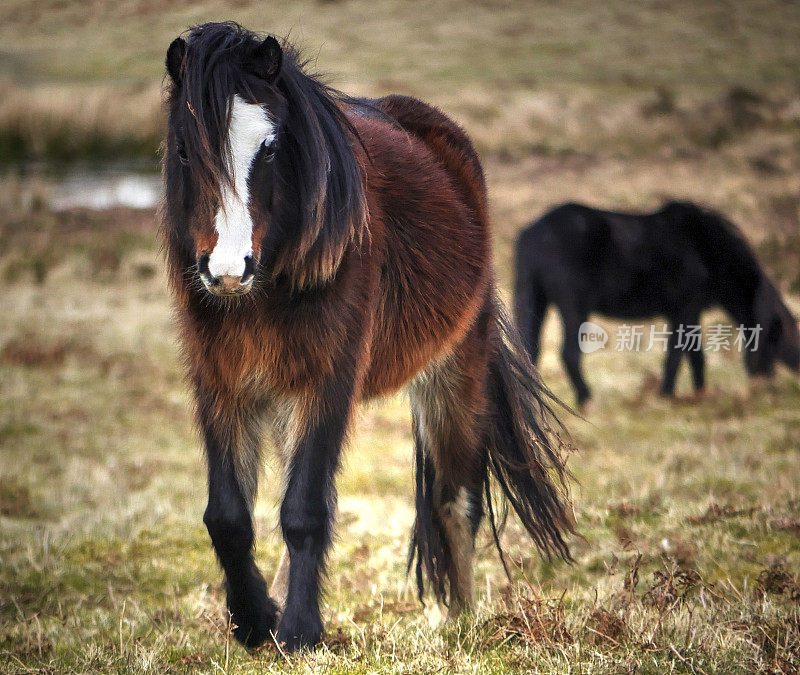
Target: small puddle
105	191
88	187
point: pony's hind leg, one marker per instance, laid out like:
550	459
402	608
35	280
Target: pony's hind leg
448	404
530	307
232	451
280	582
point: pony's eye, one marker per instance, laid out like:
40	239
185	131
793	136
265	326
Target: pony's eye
269	148
182	158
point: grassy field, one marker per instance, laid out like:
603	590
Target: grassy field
690	510
525	77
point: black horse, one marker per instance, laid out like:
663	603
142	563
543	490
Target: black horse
674	263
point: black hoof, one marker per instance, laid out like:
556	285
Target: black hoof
256	634
254	619
298	633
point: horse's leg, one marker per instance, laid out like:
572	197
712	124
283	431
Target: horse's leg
688	316
280	583
530	309
448	405
537	323
232	452
671	363
571	320
307	510
282	418
697	362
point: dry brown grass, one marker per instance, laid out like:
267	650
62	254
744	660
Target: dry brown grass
689	509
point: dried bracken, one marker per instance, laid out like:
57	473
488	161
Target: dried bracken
671	587
777	580
605	628
532	621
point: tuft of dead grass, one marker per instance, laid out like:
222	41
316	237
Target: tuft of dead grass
529	620
23	352
716	512
606	628
671	587
16	501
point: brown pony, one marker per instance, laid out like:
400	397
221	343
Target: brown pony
325	250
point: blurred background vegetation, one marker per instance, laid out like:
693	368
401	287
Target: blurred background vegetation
690	509
82	79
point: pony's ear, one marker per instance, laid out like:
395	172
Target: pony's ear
267	59
174	60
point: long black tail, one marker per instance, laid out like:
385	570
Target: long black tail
525	447
427	551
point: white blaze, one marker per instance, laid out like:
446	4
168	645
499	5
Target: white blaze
249	128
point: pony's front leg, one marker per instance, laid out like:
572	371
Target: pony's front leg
306	515
232	454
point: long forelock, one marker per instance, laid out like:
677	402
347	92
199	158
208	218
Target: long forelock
213	73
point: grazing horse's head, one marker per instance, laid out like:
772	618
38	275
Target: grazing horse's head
259	167
743	289
779	335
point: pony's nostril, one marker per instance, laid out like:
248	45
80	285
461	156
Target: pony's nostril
249	269
202	265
